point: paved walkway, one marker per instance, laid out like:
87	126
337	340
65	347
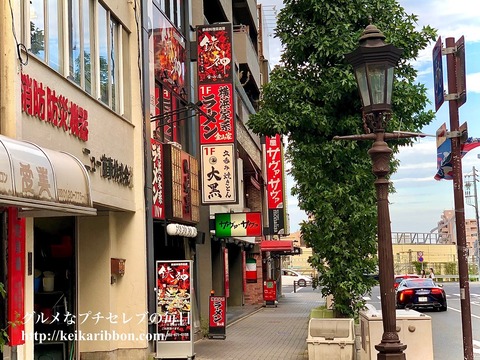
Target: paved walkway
267	334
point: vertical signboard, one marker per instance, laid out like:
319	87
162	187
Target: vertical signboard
461	72
174	309
438	74
218	174
217	317
182	192
169	53
274	165
215	68
158	191
16	277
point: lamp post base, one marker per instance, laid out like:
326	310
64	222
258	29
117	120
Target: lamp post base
392	350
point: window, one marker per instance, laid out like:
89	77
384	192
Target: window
94	58
174	10
46	31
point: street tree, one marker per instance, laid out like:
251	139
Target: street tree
311	97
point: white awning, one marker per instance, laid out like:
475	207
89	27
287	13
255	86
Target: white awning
42	182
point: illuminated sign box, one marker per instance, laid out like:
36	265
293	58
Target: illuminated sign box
238	224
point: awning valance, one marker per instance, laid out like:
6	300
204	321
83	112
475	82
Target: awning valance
277	245
42	182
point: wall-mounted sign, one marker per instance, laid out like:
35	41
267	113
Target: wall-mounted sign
217	122
219	126
182	192
219	184
158	191
215	60
275	184
109	168
169	53
238	224
47	105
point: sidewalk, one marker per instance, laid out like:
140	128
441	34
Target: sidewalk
266	334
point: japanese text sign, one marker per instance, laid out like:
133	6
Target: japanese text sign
218	174
214	47
238	224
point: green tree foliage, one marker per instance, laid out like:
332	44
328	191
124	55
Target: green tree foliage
312	96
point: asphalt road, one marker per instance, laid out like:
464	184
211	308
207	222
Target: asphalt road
447	326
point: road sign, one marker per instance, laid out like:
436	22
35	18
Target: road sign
420	256
438	73
460	72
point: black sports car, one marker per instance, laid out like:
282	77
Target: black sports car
420	293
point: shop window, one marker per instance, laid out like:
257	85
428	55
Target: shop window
93	59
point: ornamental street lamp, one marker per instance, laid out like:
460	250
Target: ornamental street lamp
374	62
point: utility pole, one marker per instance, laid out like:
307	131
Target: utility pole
454	98
469	197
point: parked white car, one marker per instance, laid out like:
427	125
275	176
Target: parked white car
289	276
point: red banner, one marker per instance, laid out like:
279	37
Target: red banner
158	184
217	101
16	276
274	172
215	60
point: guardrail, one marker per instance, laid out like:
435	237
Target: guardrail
447	278
300	283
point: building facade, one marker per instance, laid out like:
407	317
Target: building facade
73	204
106	115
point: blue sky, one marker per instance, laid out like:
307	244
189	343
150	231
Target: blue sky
420	200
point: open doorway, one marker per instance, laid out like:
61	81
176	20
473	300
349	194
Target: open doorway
55	286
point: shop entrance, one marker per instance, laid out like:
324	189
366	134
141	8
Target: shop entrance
55	286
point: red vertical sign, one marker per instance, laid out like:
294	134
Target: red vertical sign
16	276
158	191
274	164
215	70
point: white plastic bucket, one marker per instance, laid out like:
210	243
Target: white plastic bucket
48	281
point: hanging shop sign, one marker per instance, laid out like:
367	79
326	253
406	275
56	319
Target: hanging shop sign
158	191
238	224
215	68
36	178
214	46
169	52
219	174
275	184
182	193
174	309
219	126
45	104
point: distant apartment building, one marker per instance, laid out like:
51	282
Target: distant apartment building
298	262
448	234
